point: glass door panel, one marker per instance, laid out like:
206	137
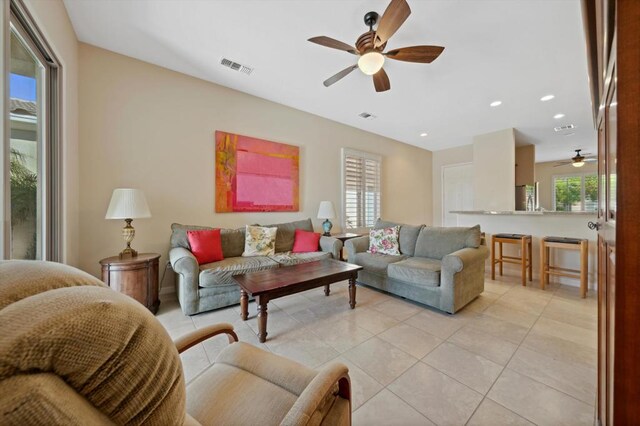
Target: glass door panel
26	150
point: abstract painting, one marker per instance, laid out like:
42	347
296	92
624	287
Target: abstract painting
255	175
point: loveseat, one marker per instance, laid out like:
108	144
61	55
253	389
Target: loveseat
211	286
439	267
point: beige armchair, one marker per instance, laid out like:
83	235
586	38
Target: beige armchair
73	351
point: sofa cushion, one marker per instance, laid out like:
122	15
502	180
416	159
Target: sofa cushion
305	241
384	241
407	237
417	270
286	233
376	263
259	241
206	245
232	239
221	273
436	242
290	258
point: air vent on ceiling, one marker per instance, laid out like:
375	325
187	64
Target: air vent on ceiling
236	66
563	128
366	116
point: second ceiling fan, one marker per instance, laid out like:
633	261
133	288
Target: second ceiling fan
370	46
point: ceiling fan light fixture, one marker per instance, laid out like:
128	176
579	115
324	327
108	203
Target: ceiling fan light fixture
370	63
578	163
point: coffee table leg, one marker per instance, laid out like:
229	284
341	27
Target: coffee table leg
352	292
244	305
326	290
262	320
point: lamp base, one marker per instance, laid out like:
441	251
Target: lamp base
128	233
326	227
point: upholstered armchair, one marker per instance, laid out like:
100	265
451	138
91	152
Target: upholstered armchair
74	352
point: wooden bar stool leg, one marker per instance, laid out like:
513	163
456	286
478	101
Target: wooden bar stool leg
501	262
530	252
523	260
493	257
543	262
547	254
584	267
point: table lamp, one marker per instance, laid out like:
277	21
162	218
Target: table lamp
128	204
326	211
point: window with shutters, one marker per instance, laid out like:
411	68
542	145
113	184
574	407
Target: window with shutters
361	189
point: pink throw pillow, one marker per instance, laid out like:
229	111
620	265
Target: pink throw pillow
206	245
305	241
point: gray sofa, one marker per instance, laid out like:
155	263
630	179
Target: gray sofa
439	267
211	286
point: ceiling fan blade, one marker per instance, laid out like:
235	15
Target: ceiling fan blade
421	54
381	81
333	43
328	82
397	12
563	163
590	160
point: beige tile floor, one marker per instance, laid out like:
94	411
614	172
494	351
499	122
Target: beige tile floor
515	355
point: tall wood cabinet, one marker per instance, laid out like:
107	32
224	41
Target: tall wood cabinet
613	40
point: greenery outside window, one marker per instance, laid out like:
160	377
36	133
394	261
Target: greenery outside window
575	193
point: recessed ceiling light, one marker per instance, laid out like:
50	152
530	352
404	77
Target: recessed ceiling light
546	98
558	116
495	103
423	134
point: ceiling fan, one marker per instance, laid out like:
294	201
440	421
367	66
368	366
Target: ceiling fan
370	46
578	160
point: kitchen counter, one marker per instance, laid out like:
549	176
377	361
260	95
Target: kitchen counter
539	224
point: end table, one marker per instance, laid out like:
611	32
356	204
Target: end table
136	277
344	237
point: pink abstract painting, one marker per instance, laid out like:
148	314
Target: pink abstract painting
255	175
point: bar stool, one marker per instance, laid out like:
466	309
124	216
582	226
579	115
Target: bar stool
546	269
524	260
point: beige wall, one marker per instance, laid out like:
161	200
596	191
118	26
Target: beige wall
525	165
52	19
494	171
546	171
445	157
147	127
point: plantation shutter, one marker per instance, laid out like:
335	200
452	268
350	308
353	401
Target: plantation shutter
361	192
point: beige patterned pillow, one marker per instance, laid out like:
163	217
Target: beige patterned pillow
259	241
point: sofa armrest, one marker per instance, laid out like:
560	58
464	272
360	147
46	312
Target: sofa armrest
184	264
456	261
333	378
356	245
331	245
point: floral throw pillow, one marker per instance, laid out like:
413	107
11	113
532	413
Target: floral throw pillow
259	241
384	241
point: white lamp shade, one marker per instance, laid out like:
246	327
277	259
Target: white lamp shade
127	203
326	210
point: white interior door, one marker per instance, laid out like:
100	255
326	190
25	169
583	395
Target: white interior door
457	191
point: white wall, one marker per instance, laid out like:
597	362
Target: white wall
147	127
494	171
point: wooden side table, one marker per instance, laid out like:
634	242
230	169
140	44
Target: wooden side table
136	277
344	237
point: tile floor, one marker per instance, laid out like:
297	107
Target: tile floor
515	355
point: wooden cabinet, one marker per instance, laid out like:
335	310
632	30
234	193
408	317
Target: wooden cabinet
134	276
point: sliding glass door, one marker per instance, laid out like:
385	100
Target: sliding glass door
32	193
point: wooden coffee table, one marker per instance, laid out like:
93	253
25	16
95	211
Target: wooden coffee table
287	280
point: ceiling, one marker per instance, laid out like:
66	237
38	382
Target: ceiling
512	51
